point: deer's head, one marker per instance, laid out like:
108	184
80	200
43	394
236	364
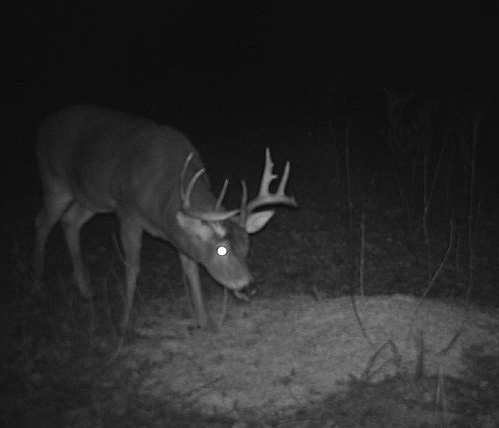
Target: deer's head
218	239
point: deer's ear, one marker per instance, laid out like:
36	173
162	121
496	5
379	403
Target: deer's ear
194	226
256	221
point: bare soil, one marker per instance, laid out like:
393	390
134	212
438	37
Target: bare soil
278	354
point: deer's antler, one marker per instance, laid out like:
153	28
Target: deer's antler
185	196
265	197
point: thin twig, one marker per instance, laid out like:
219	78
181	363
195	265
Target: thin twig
362	253
476	126
429	188
359	320
458	333
437	273
366	374
336	149
348	173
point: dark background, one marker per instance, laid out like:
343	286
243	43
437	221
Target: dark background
213	68
185	54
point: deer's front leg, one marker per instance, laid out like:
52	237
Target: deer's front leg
131	241
191	271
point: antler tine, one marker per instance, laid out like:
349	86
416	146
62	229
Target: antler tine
188	160
195	177
244	199
265	197
268	174
222	195
284	180
185	196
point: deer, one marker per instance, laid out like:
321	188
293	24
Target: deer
95	160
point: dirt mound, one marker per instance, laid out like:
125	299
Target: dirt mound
277	354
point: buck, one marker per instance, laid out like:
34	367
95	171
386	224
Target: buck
93	160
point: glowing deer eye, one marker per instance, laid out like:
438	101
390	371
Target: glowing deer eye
222	250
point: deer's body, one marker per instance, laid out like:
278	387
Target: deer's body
115	162
94	160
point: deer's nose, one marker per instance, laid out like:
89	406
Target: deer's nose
245	293
243	282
